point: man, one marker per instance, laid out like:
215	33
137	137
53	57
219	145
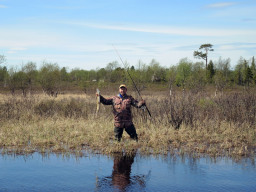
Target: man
122	112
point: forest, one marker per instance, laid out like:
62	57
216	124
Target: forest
188	75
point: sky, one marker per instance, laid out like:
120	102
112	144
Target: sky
85	33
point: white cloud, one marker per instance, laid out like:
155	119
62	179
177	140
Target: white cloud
237	46
73	50
221	5
24	39
249	20
198	32
3	6
227	47
16	49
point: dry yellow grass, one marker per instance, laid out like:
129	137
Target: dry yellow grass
68	124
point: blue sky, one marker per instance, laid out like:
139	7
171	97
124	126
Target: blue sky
81	33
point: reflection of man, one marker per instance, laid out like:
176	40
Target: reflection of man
121	176
122	170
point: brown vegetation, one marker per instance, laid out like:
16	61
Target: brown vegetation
184	123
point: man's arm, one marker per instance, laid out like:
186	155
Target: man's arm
104	101
137	104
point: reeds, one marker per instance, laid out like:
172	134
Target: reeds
190	123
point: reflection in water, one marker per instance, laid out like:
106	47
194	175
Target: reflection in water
54	172
122	171
121	178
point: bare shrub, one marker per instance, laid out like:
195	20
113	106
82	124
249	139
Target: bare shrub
69	108
237	108
174	111
182	110
15	108
192	109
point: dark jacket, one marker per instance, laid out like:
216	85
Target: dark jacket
121	108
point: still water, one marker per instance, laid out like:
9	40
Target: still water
94	172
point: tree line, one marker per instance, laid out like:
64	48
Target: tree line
186	74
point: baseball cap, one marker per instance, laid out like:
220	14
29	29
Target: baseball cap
122	85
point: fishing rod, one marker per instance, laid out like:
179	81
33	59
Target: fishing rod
125	66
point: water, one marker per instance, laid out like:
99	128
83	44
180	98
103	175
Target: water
121	173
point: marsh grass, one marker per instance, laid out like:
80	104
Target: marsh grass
185	124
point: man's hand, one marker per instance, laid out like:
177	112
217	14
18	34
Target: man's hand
97	92
142	102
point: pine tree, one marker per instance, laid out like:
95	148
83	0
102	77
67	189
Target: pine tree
248	76
253	69
210	72
201	55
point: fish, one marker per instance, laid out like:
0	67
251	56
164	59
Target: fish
98	101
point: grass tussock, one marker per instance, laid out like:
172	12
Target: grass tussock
184	123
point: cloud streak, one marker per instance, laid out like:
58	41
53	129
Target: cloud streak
237	46
249	19
221	5
197	32
3	6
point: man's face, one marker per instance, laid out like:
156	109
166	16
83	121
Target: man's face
122	90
